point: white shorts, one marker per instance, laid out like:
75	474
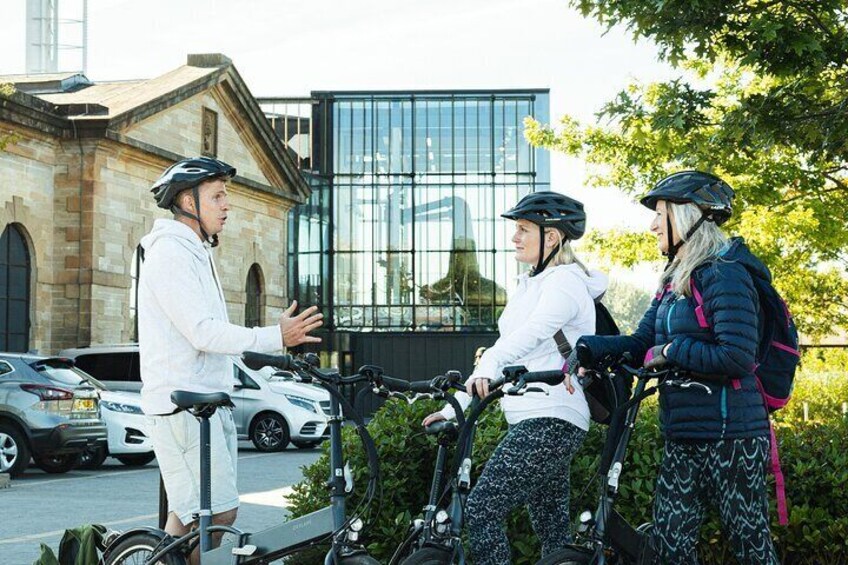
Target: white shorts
176	442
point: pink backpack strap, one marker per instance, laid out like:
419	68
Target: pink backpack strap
779	485
699	300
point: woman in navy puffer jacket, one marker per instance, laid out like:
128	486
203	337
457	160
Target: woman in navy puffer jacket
716	442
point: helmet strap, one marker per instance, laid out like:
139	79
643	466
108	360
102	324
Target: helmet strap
213	240
673	248
540	264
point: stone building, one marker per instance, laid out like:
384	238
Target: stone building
74	197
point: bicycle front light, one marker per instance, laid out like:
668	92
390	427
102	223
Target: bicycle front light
302	402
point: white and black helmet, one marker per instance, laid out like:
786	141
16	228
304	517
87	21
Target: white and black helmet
185	174
189	174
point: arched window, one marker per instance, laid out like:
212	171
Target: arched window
14	290
255	303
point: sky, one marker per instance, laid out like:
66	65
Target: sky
289	48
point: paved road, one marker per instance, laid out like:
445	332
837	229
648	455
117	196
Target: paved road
38	507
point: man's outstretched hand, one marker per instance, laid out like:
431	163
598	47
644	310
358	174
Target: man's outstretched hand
295	329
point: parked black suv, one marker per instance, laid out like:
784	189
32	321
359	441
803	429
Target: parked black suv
42	418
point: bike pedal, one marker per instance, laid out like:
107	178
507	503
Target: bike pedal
245	550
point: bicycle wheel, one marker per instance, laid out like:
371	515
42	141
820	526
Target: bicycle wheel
430	556
568	556
137	549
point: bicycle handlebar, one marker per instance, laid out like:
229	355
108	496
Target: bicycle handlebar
257	361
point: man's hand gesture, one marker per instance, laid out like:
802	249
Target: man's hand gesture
295	329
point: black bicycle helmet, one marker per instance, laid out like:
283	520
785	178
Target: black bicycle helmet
186	174
711	194
708	192
550	210
189	174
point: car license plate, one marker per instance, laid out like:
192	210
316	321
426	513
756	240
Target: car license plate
85	405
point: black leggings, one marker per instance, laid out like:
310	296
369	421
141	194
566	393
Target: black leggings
728	473
530	467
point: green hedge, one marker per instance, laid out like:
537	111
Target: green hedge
813	453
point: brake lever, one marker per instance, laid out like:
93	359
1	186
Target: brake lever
688	383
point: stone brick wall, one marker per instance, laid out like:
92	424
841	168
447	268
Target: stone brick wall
83	208
179	129
26	199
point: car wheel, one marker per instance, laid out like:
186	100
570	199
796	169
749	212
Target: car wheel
136	459
269	432
14	451
93	457
305	444
56	464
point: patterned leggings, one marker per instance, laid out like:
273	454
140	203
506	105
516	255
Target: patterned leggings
529	467
728	473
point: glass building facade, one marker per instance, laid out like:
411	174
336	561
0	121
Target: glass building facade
403	230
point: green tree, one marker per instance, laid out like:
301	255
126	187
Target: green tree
762	101
627	304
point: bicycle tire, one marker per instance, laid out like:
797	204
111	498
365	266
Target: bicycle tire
430	556
568	556
137	549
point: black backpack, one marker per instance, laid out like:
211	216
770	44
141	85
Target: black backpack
604	395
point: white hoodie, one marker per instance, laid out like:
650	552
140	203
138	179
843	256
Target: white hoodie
183	331
560	297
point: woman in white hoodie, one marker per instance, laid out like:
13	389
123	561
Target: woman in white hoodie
531	465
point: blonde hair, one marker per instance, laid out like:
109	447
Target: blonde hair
565	255
703	245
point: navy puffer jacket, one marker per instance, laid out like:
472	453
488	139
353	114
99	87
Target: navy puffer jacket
726	347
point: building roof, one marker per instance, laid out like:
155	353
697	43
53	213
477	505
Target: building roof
121	97
69	105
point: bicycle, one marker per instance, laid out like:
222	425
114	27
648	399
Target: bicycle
150	545
436	538
608	539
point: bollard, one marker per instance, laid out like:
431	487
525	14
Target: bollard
5	480
844	409
806	412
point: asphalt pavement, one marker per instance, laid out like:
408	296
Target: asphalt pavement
38	507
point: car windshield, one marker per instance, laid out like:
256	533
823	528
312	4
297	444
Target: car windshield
63	372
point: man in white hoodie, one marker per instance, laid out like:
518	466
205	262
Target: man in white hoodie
185	337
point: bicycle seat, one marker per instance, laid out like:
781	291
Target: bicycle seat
185	399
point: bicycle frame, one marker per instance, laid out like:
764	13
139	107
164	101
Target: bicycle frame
607	528
329	523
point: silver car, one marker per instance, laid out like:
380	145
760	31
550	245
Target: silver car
274	408
44	416
271	409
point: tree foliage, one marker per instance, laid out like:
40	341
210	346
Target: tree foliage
762	101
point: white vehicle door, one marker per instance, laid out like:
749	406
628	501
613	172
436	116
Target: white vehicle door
246	397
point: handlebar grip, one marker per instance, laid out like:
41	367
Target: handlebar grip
421	386
396	385
552	378
441	426
256	361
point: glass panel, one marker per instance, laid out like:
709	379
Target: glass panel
523	148
431	173
421	161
